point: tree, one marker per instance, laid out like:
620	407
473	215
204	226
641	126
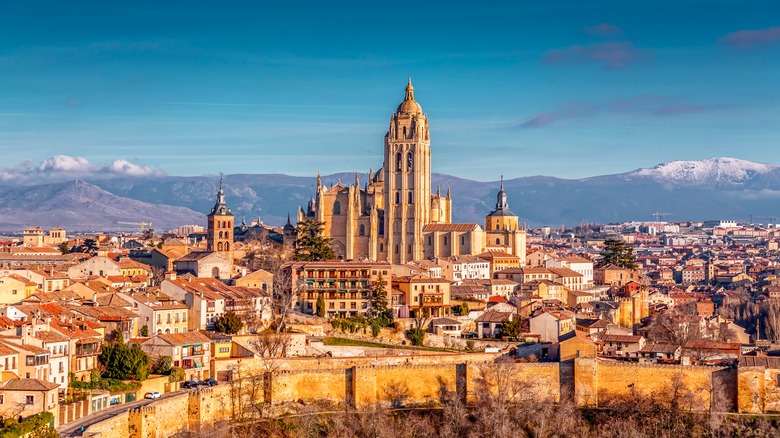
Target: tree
310	245
510	328
464	308
162	365
378	301
122	361
617	253
416	335
63	247
145	331
320	307
228	323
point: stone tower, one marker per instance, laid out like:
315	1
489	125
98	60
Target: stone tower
502	229
220	226
407	188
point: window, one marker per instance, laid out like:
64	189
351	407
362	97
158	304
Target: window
398	159
497	241
409	198
445	240
1	399
409	162
396	248
397	198
214	272
462	240
220	247
337	207
362	230
224	349
29	399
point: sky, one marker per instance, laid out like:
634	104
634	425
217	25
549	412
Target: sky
518	88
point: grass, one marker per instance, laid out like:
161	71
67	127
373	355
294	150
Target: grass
346	342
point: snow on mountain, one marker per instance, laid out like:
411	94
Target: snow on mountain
712	171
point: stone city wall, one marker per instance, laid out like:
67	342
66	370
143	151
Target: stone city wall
592	381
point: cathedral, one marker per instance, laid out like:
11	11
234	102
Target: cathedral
395	217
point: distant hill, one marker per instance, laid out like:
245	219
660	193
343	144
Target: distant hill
686	190
81	206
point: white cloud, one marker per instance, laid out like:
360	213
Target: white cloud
64	168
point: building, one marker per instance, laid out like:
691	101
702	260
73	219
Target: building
345	287
502	229
100	266
219	235
551	325
26	397
418	295
190	350
159	313
205	264
395	216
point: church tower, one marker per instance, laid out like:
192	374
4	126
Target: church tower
502	229
407	188
220	226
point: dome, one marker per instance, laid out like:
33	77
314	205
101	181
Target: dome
409	105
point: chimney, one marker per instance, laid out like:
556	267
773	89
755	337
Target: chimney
170	275
94	299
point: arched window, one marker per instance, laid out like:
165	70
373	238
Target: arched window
220	234
397	198
462	240
398	161
498	241
496	226
215	272
410	197
219	246
362	230
409	162
404	131
409	248
227	246
396	248
337	207
445	240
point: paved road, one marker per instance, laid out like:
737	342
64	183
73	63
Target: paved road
74	428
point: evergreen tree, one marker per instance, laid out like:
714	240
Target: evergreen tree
510	329
464	308
229	323
63	247
378	302
124	361
145	331
310	246
617	253
320	307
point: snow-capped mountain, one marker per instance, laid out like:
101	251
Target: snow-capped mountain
710	172
717	188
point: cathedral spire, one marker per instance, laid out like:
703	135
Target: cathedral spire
409	90
448	191
220	207
319	179
357	181
501	199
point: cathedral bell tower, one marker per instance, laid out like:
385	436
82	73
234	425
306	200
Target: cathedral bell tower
220	226
407	188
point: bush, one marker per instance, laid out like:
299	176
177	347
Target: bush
416	336
39	421
469	345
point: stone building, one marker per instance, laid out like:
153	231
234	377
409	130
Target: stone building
220	227
395	217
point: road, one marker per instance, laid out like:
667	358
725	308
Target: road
74	428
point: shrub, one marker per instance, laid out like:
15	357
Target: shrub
416	336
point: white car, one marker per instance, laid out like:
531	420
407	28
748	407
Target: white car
152	395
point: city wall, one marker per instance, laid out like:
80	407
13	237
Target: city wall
696	388
592	383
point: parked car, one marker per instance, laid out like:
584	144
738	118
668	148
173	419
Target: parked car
152	395
211	382
189	384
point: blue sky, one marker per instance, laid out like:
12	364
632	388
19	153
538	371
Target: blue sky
567	89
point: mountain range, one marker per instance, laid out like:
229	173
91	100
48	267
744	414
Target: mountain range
716	188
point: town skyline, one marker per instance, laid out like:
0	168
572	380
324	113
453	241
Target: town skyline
253	93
